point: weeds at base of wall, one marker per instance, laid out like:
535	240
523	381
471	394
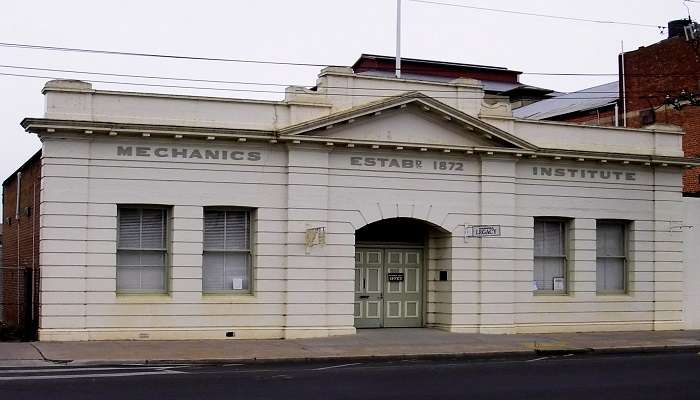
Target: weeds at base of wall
10	332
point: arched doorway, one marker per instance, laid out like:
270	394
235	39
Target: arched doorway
390	273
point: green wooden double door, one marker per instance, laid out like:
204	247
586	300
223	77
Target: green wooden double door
388	288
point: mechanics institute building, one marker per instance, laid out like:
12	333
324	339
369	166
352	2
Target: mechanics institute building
366	201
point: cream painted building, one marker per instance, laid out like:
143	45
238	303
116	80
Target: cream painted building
367	202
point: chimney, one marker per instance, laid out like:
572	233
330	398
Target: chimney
676	28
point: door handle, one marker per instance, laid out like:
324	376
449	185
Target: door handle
364	297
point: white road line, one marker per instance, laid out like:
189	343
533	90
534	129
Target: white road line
62	369
113	375
335	366
537	359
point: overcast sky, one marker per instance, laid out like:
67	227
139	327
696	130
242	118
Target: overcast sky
307	31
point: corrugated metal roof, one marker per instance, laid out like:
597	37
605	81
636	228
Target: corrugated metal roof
587	99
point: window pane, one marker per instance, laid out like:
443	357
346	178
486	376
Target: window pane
553	239
610	274
127	258
610	240
137	258
214	230
129	278
549	238
237	230
546	269
129	228
140	270
225	271
227	230
141	278
153	229
539	238
237	270
152	278
213	271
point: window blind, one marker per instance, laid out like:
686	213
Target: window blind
610	256
141	249
226	262
549	252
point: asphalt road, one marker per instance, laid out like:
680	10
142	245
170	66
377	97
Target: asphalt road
660	376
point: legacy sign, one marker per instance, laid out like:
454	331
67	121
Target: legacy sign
188	153
483	230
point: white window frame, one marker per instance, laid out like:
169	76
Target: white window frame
625	251
249	213
565	224
165	249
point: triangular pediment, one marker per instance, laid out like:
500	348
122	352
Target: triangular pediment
412	119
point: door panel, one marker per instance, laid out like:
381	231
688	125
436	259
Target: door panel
380	302
412	283
374	309
403	298
368	288
373	278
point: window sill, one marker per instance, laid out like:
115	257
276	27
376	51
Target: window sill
549	293
141	297
228	296
613	294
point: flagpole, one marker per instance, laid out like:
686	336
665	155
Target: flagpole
398	39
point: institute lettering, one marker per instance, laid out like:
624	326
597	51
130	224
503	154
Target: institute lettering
185	153
585	173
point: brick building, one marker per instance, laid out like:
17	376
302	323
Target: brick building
655	78
20	244
661	85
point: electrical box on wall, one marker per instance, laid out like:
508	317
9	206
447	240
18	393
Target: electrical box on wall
443	275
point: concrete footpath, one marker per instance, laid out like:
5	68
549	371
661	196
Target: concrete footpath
379	344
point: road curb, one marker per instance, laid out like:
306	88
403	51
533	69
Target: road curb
498	355
316	359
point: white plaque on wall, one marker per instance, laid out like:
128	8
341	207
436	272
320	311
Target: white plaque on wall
482	231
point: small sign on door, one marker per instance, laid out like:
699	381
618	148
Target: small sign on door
394	277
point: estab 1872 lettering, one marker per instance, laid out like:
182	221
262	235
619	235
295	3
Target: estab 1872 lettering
405	163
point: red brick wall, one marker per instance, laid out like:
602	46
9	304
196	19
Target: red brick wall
25	252
651	73
667	68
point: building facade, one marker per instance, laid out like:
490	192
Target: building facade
365	202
